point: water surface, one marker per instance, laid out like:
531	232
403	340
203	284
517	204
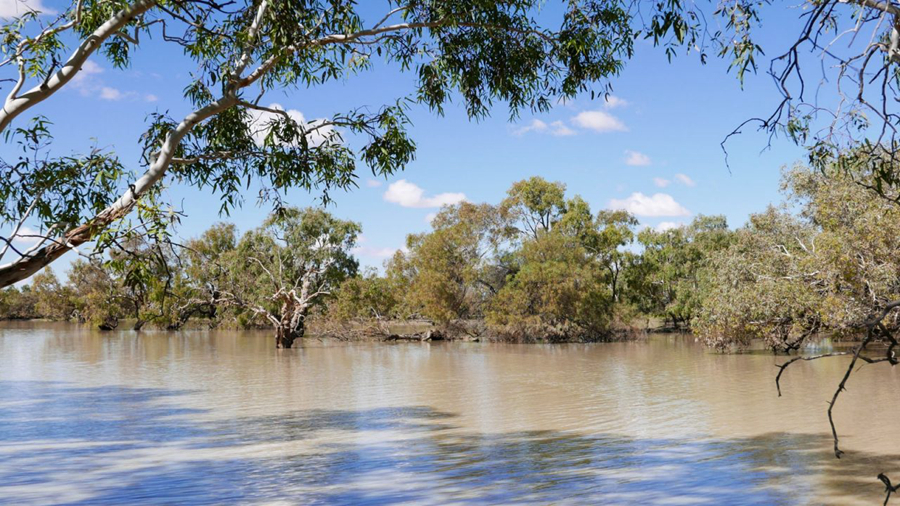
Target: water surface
222	417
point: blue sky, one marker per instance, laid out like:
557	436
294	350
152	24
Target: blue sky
654	149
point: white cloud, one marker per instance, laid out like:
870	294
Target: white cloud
373	183
636	159
556	128
363	249
107	93
262	119
685	180
88	83
86	80
88	69
614	102
27	236
15	8
599	121
430	217
409	195
661	182
660	204
667	225
559	129
374	252
536	125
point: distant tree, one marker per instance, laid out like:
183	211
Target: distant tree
603	237
557	293
97	294
17	304
788	276
667	278
280	270
757	287
451	271
365	296
146	273
206	260
52	299
534	205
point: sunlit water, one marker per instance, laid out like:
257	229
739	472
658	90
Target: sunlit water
222	417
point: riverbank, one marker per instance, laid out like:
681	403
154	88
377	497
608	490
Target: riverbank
397	330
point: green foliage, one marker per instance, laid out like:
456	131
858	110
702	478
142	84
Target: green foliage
481	53
51	299
18	304
786	277
365	296
535	267
98	299
449	271
557	293
57	192
667	279
534	205
290	264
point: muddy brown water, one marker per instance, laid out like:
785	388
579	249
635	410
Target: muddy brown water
222	417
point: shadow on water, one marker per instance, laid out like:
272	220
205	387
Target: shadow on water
66	444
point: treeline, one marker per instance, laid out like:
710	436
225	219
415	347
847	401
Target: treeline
537	266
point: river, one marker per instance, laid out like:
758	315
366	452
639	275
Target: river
212	417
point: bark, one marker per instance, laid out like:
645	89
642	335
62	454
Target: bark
109	324
285	337
292	323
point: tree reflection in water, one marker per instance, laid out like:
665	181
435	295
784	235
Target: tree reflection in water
115	444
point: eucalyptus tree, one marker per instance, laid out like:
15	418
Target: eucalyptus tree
603	236
479	52
762	286
453	271
534	205
205	263
365	296
52	299
667	279
281	270
558	293
98	298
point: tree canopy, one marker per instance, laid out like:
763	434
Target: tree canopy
481	53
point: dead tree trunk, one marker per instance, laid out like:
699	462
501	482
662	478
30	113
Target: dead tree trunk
291	326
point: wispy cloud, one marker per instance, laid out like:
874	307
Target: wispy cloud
556	128
408	194
661	182
657	205
89	84
109	93
685	180
363	249
373	183
636	159
614	102
15	8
